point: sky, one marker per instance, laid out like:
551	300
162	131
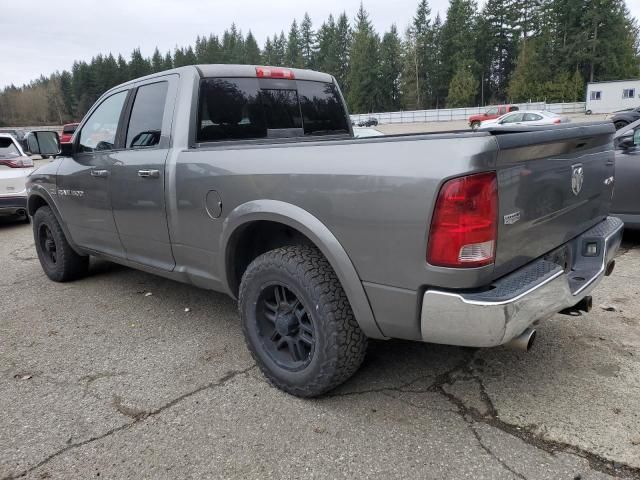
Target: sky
42	36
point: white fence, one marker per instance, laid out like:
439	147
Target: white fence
449	114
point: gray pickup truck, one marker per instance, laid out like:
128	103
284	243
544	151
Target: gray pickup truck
247	180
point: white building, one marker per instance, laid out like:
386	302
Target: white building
607	97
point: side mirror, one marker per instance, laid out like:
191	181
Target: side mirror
626	141
44	143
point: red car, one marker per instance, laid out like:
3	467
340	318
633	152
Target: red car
493	112
67	132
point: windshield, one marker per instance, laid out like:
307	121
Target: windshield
8	148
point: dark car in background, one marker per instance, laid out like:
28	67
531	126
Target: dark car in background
67	132
369	122
623	118
626	201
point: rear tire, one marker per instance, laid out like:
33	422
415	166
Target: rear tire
475	125
298	323
620	124
59	261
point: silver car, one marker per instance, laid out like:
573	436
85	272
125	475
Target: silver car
525	117
626	201
15	167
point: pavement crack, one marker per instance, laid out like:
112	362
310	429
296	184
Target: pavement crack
525	433
491	453
136	419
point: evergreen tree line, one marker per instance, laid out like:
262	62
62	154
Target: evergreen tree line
509	51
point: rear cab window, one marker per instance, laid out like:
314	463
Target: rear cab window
253	108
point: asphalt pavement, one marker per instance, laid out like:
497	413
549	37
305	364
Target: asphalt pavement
127	375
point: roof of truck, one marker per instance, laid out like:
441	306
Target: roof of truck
225	70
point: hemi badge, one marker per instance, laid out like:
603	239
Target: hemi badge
511	218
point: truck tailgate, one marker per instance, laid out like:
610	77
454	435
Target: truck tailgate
553	184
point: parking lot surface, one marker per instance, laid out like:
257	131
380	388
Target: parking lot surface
127	375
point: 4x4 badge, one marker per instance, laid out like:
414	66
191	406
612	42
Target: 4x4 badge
577	178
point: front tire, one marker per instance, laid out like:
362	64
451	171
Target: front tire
475	125
59	261
620	124
298	323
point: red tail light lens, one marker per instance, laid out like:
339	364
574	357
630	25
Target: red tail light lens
557	120
465	222
22	162
275	72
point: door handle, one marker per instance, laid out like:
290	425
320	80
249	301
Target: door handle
149	173
99	173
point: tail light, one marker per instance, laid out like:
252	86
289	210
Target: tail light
557	120
465	222
22	162
275	72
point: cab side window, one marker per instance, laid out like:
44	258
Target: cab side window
145	124
99	132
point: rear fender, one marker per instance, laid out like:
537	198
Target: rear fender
301	220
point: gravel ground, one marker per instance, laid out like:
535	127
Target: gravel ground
99	378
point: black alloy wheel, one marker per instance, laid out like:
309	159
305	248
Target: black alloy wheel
285	327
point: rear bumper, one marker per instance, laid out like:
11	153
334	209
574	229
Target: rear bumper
12	204
534	292
631	220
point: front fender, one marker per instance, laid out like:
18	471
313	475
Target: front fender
304	222
38	194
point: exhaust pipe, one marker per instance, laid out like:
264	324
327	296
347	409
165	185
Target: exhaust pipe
522	342
610	267
22	212
584	305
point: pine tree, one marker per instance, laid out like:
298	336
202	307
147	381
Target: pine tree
168	61
268	55
463	88
364	74
390	69
343	39
251	50
458	38
293	57
326	58
497	45
138	65
307	41
157	61
190	56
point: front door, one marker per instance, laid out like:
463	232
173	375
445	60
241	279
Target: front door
138	174
83	180
625	198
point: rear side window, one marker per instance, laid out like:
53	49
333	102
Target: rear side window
239	108
8	148
145	124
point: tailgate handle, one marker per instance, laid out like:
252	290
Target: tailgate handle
149	173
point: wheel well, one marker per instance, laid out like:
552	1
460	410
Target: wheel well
35	202
252	240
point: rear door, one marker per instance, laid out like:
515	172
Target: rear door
83	180
138	174
554	183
